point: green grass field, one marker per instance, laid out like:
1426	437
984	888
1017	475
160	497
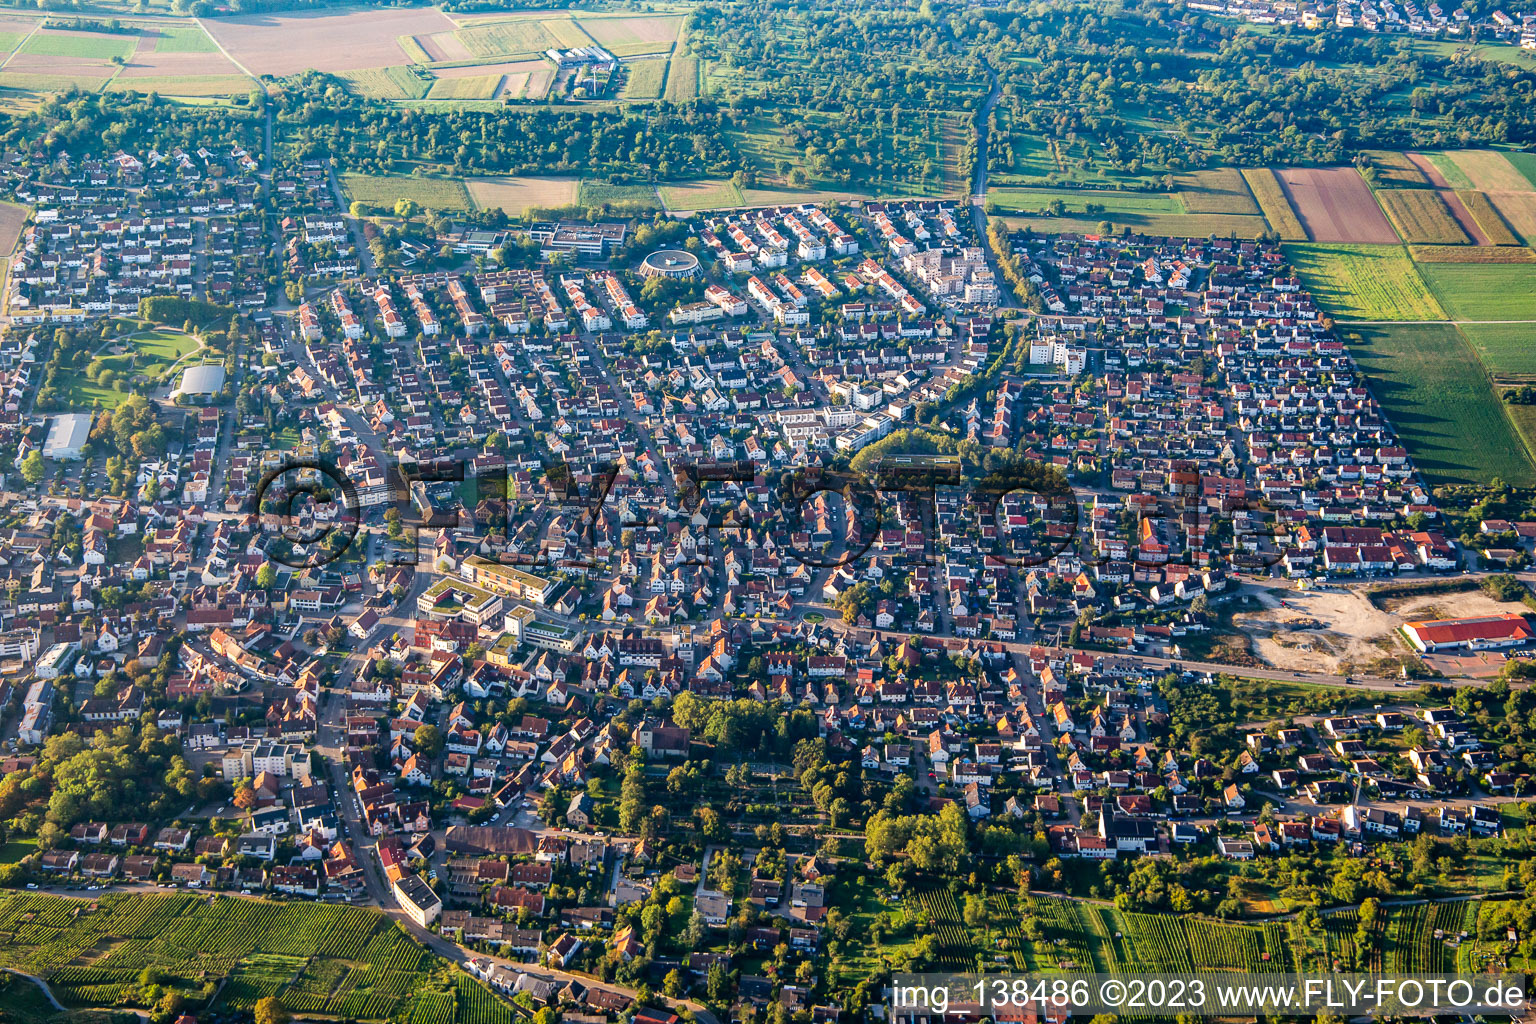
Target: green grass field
1525	163
185	85
1077	201
594	192
397	83
1505	349
1364	282
478	87
1454	175
429	193
1484	292
184	40
646	79
80	45
701	195
1440	402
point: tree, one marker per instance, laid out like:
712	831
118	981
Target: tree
429	740
266	576
405	209
32	467
245	797
270	1010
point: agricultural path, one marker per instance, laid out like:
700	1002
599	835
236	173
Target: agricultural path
40	983
229	56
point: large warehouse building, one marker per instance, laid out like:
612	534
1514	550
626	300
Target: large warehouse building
1477	634
201	383
67	434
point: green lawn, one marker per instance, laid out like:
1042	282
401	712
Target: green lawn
16	849
1484	292
1504	348
83	45
1364	282
1525	163
1438	398
382	190
1076	201
184	40
595	192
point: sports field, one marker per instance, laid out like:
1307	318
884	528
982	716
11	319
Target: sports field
1483	292
1440	401
1364	282
382	190
514	195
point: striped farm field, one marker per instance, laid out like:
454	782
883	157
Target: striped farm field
397	83
1216	191
1519	211
324	960
1486	254
382	190
1397	170
1482	210
478	87
683	80
1335	204
184	85
414	50
1276	208
646	78
1364	282
1421	216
